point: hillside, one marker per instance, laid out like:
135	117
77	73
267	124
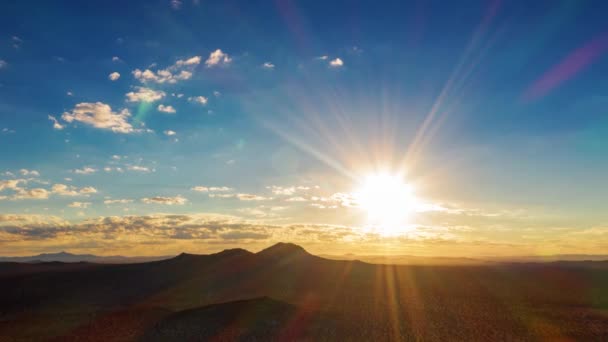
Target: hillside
324	299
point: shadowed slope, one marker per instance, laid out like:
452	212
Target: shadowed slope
259	319
370	302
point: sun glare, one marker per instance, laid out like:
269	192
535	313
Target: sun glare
388	201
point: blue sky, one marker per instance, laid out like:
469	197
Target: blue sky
493	111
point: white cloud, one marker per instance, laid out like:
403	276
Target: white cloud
177	200
3	64
26	172
201	188
116	59
100	115
169	132
336	63
268	65
138	168
85	171
114	76
324	57
218	58
199	99
296	199
171	74
79	204
166	109
118	201
56	124
287	191
196	60
161	76
145	95
69	93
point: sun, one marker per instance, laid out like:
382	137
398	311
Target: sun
388	201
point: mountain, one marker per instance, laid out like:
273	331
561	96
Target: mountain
69	257
285	293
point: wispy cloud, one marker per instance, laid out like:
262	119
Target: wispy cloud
56	124
87	170
201	188
82	205
177	200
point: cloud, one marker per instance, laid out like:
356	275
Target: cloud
268	65
138	168
218	58
177	200
324	57
201	188
26	172
114	76
251	197
336	63
36	193
88	190
56	124
296	199
79	204
100	115
211	195
70	190
287	191
117	201
196	60
172	231
199	99
116	59
145	95
166	109
87	170
169	133
180	71
3	64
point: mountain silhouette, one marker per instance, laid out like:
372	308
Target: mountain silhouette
308	297
70	257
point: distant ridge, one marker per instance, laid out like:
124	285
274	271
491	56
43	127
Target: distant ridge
70	258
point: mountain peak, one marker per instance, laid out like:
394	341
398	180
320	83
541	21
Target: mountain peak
282	249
